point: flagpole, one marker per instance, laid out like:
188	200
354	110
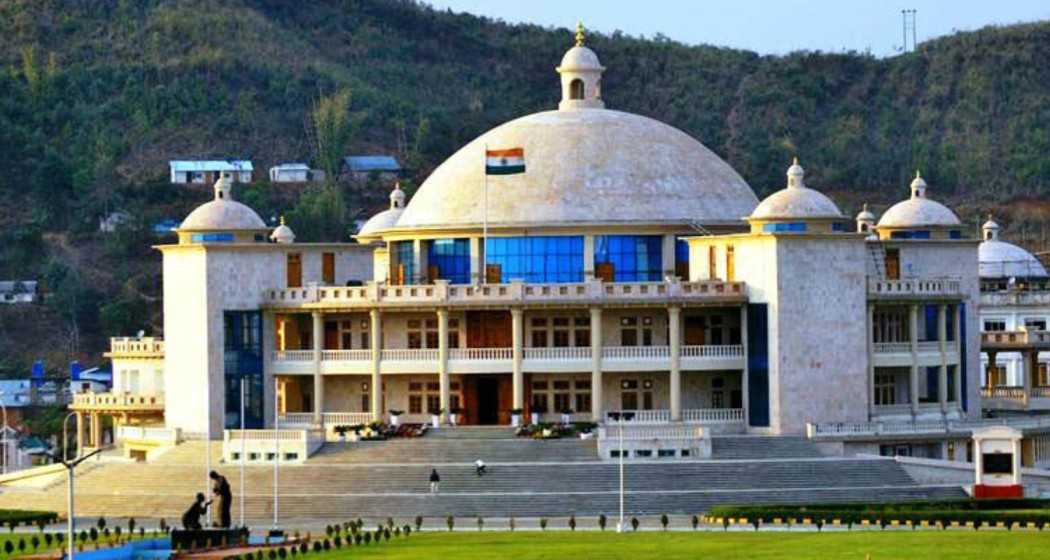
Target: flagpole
485	218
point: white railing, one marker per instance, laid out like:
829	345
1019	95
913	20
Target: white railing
713	351
293	355
292	446
655	416
892	347
158	434
346	355
1010	393
346	418
915	287
634	432
141	347
866	429
266	435
1018	338
564	353
636	352
297	419
930	346
480	353
441	292
1040	392
118	401
713	415
410	354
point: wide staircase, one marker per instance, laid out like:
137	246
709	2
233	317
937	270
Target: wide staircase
525	478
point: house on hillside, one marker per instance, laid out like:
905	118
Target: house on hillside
92	380
362	167
18	291
110	222
21	450
208	171
294	173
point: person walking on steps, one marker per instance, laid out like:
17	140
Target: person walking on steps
479	467
435	481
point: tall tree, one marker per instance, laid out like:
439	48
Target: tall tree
330	128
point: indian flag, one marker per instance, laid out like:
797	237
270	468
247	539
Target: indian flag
505	162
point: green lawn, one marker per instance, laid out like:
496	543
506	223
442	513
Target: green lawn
954	545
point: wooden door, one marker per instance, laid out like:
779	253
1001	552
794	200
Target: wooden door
433	273
730	263
295	270
605	272
328	268
331	335
695	334
489	329
893	264
493	274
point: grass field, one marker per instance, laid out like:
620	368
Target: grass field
927	545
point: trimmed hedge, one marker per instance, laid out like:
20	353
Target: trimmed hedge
979	512
26	517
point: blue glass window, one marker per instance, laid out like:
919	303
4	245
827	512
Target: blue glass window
954	234
212	237
789	226
405	258
537	259
243	363
681	253
913	234
451	259
838	226
635	258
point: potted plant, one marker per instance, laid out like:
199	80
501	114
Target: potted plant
341	430
566	416
435	418
453	416
395	417
515	417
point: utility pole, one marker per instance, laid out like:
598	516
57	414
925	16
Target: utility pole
908	24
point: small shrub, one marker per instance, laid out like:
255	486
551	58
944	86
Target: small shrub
48	539
572	523
695	521
326	544
386	534
35	541
9	547
11	525
338	541
419	522
481	523
634	523
21	544
303	548
408	530
317	546
389	522
543	523
664	521
368	538
101	524
41	524
358	538
451	522
93	533
282	553
131	526
602	521
60	538
512	523
271	554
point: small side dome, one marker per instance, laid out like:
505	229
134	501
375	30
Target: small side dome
223	213
282	234
918	211
999	259
796	202
387	218
865	220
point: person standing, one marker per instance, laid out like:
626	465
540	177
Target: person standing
223	493
479	467
435	481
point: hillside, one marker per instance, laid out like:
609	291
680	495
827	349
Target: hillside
97	96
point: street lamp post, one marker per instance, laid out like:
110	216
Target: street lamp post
621	417
70	466
276	448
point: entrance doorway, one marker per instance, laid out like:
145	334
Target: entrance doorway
488	400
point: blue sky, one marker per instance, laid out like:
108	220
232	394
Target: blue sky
765	26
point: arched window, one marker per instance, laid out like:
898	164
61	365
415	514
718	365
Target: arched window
576	89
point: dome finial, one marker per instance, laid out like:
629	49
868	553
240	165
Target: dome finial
918	186
795	175
282	219
579	34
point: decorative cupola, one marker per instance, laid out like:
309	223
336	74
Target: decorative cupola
796	208
397	197
371	230
282	234
865	220
581	76
223	220
990	230
919	217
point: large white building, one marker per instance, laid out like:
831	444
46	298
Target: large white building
629	268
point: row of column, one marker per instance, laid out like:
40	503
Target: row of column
517	375
914	378
92	430
1029	367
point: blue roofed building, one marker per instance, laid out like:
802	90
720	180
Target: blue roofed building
208	171
362	167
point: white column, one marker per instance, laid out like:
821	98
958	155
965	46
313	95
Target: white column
588	257
377	352
443	380
745	391
674	330
419	256
957	329
517	343
596	365
914	336
870	337
1028	371
978	461
668	255
942	372
477	265
318	328
80	432
1017	461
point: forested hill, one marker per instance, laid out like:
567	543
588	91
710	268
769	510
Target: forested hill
96	96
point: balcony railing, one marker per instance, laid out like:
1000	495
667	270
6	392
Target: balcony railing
1017	338
636	352
713	351
838	430
494	354
293	355
713	415
480	354
442	293
410	354
157	434
1008	393
330	419
118	401
562	353
130	347
892	347
915	287
344	355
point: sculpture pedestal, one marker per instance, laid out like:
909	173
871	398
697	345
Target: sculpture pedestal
182	539
987	491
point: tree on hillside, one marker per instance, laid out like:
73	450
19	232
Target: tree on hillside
330	128
320	214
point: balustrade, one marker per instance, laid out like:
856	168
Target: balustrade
713	415
713	351
636	352
480	354
561	353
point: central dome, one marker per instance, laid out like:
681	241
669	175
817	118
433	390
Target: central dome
587	165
